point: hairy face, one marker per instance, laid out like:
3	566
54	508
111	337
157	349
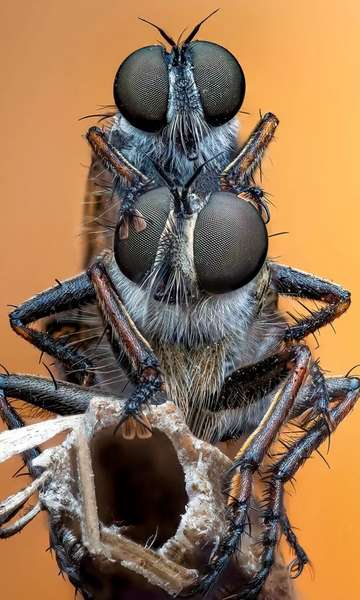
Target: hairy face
182	94
217	247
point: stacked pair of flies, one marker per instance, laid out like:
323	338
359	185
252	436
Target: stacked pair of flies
185	300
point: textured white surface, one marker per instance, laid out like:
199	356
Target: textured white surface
17	440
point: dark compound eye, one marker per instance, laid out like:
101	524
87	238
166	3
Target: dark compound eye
136	254
141	88
219	79
230	243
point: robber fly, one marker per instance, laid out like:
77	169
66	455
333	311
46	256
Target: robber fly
188	298
176	108
190	305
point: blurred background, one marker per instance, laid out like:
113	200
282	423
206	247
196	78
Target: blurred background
302	62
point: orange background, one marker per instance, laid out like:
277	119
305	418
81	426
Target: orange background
301	61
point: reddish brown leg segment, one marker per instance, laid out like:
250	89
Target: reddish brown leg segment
249	459
142	359
284	470
112	159
240	170
120	167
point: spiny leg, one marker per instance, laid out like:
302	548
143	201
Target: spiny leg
280	474
142	360
112	158
298	284
101	208
67	295
254	379
239	172
57	397
248	460
250	384
13	420
76	329
297	565
86	288
11	506
121	168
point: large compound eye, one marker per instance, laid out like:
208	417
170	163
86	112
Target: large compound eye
136	254
220	81
141	88
230	243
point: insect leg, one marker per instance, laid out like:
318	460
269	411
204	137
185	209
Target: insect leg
248	460
142	360
59	533
281	473
13	420
112	159
317	394
54	396
298	284
11	506
121	168
253	380
240	171
101	208
69	294
252	383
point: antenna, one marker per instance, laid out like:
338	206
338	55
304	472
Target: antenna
197	27
161	31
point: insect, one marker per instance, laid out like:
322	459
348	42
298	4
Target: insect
189	302
189	297
174	107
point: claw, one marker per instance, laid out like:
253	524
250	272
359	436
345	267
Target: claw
124	228
133	217
296	567
134	426
138	221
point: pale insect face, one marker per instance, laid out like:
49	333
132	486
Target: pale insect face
192	247
182	97
185	92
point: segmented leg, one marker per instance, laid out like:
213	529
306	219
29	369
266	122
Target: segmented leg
249	385
54	396
122	169
125	339
13	420
294	283
112	159
239	172
10	507
280	474
253	380
142	359
248	460
67	295
101	209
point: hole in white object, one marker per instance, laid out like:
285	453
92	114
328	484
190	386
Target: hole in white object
139	484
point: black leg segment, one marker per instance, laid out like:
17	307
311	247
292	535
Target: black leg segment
67	295
57	397
298	284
